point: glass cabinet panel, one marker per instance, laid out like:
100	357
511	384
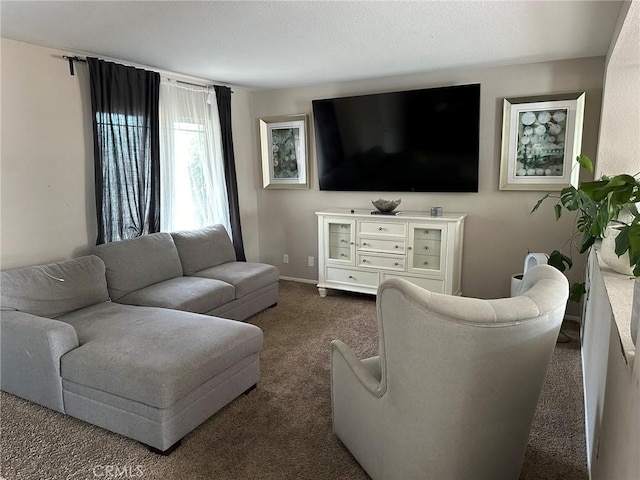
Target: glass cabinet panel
341	243
426	247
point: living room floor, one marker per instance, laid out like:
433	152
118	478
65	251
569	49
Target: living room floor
281	430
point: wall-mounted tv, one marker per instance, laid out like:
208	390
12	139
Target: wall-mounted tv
411	141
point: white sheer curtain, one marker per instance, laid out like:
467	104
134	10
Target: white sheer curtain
193	191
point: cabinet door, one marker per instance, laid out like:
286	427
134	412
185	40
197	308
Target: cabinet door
340	246
427	248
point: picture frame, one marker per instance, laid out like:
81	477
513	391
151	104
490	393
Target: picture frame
284	148
541	138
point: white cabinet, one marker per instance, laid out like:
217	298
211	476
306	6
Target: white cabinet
357	250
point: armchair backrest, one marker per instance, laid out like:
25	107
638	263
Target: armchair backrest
469	369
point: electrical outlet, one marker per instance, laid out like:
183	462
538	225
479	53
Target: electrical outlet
311	261
285	258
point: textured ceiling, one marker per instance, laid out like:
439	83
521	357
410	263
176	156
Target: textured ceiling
271	44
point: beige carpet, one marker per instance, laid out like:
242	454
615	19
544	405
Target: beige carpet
281	430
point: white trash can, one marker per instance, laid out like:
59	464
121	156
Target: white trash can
516	282
531	260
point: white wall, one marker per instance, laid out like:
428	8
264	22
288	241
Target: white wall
47	200
615	415
619	143
47	206
499	230
47	210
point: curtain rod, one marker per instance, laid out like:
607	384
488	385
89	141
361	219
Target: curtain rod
75	58
71	60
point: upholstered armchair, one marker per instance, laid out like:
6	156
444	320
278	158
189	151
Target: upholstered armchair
453	392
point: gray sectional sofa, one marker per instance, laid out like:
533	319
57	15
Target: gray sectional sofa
195	271
119	339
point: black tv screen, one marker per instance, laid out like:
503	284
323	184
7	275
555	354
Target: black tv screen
412	141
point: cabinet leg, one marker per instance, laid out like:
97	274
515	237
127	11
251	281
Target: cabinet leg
322	291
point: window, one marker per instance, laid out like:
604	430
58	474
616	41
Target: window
193	191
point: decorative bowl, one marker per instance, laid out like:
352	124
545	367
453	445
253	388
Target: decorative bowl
386	205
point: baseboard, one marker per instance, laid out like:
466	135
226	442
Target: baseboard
300	280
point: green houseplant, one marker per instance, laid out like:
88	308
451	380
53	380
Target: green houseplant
602	203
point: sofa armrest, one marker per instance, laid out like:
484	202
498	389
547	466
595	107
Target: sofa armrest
30	352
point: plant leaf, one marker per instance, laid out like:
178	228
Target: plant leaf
560	261
587	241
576	291
540	203
622	241
585	162
633	234
569	198
558	210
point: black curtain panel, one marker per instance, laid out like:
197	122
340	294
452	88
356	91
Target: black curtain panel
223	95
124	102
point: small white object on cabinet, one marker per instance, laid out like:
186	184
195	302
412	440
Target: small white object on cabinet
357	250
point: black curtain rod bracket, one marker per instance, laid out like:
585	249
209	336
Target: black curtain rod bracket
71	60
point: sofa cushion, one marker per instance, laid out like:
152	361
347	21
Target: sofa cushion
191	294
203	248
246	277
138	262
54	289
153	355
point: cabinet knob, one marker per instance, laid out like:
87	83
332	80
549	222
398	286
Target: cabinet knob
397	246
426	247
343	255
380	228
352	243
351	277
364	260
426	263
426	232
364	244
409	248
343	241
396	264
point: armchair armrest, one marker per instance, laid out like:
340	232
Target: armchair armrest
30	351
344	357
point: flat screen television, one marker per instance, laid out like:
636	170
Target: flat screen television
411	141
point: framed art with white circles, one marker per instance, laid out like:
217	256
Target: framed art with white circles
541	138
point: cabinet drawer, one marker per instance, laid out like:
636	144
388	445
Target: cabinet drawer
382	228
427	262
338	253
432	284
427	233
381	245
339	228
389	263
352	276
339	239
426	247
